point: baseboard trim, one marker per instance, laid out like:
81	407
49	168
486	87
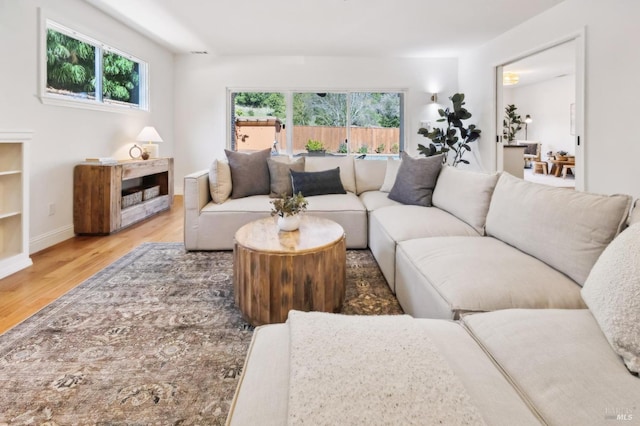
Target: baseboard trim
50	238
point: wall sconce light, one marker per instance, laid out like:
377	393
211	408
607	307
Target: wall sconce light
527	120
150	135
434	97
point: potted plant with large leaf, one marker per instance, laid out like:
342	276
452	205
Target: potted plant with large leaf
511	123
455	137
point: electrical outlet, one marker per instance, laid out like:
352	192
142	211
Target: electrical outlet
52	209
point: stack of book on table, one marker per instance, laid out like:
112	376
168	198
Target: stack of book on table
101	160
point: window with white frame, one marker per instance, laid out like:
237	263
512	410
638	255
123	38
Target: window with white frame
85	71
336	122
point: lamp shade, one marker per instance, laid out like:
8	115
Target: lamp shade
149	134
528	119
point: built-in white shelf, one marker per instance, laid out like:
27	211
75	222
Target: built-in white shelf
14	206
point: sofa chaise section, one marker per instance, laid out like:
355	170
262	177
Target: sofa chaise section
263	393
446	277
541	245
561	362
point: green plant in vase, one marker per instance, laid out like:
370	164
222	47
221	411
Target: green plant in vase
288	208
511	123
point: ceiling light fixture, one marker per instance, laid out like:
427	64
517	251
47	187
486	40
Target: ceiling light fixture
510	78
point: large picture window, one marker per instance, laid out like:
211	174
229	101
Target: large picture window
80	69
338	123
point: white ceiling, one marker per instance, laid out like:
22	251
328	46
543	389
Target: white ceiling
387	28
551	63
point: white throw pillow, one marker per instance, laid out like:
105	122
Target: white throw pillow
465	194
220	181
612	293
390	174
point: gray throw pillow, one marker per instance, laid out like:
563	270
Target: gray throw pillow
317	183
249	173
416	180
280	176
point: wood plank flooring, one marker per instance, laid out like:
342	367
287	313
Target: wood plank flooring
59	268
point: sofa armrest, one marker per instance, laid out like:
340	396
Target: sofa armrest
196	196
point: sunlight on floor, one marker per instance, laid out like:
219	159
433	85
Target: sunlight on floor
551	180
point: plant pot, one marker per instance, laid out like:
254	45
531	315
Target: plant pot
316	153
289	223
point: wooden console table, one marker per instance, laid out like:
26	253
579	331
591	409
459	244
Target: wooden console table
98	190
274	272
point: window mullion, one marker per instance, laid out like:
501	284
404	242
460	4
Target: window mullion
348	123
98	74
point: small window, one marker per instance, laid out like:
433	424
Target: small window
82	70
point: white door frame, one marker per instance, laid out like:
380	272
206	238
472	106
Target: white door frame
580	139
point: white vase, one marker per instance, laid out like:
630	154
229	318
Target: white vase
289	223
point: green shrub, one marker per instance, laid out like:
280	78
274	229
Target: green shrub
314	146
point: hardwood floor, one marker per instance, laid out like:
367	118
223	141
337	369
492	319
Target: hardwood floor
58	269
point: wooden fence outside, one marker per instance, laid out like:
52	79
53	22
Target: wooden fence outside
252	138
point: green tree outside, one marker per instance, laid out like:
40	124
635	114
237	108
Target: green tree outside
71	67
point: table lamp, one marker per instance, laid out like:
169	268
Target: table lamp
149	135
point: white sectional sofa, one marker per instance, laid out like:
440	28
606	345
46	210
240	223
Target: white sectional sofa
493	273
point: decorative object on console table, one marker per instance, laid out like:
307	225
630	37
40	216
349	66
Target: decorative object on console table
288	209
99	191
149	135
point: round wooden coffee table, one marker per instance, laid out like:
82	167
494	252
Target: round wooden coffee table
274	272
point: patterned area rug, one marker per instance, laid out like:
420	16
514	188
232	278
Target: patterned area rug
155	338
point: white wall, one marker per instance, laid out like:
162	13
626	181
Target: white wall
548	102
65	136
201	84
611	148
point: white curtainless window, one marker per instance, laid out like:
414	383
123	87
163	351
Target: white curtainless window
81	71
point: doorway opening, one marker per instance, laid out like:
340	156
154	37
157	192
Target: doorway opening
538	96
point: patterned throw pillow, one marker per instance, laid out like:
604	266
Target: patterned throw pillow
249	173
317	183
416	180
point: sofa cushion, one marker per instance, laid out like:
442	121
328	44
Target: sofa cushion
463	274
279	175
465	194
416	180
347	172
219	181
560	362
564	228
390	174
374	200
369	175
249	172
390	225
264	385
612	292
317	183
